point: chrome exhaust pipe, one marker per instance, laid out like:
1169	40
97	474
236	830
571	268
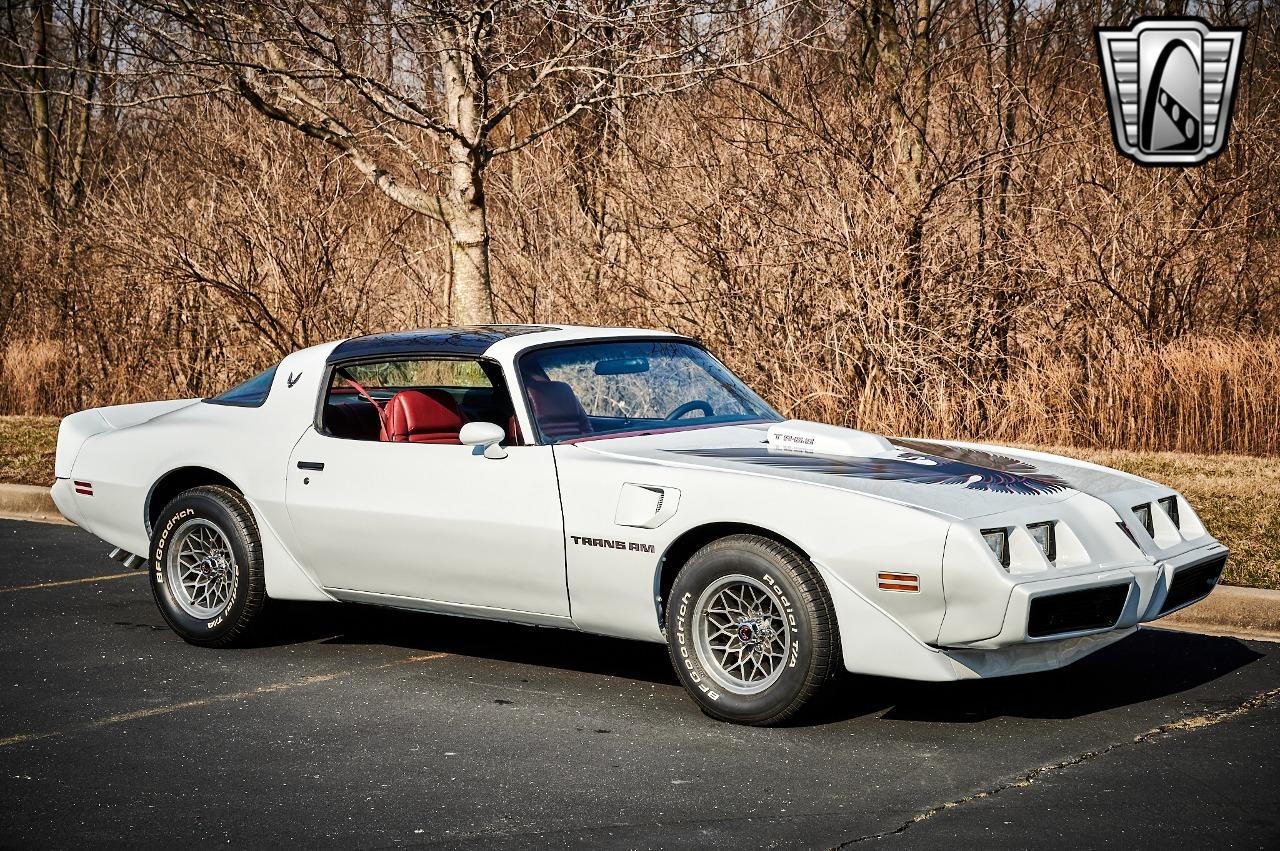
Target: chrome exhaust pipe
127	558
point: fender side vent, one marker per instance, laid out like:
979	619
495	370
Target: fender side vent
645	506
1076	611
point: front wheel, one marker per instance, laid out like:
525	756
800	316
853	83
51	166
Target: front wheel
206	567
751	630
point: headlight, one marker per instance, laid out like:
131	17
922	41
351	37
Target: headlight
1143	513
998	540
1046	538
1170	506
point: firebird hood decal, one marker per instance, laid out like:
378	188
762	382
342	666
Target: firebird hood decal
921	462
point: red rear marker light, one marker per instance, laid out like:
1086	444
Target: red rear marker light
899	582
85	488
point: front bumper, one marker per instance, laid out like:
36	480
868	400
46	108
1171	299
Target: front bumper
1064	609
874	642
1028	641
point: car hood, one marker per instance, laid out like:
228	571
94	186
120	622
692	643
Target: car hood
962	480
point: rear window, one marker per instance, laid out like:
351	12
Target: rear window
429	372
250	394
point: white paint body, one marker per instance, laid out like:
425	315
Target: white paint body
575	534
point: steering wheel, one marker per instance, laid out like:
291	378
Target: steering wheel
692	405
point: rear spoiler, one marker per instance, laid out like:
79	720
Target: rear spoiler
79	427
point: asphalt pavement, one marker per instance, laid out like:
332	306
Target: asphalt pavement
356	727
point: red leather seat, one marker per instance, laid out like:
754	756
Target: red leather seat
557	410
423	416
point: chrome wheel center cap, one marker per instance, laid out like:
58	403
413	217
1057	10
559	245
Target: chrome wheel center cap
212	566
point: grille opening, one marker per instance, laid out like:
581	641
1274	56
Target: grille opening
1076	611
1192	583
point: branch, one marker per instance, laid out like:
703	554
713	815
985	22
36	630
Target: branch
333	133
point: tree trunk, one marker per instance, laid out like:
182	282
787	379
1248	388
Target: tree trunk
42	146
1005	290
910	76
470	296
72	191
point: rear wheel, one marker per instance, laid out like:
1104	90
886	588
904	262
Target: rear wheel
751	630
206	567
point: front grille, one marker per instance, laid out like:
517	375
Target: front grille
1076	611
1191	583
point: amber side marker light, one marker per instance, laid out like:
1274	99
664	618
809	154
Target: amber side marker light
899	582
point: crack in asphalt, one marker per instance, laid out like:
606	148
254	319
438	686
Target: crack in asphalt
1196	722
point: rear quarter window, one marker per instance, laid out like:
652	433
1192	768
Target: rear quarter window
250	394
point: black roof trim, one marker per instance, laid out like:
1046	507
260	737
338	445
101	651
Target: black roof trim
472	340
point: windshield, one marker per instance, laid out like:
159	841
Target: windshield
591	389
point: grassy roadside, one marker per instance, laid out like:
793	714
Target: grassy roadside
26	449
1237	496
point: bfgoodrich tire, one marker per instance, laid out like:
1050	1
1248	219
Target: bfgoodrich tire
751	630
206	567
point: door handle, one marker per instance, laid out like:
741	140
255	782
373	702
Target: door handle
310	465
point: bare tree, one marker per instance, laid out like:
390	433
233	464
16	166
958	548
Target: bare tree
422	96
914	219
57	79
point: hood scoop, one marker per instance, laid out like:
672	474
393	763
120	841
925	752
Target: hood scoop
805	438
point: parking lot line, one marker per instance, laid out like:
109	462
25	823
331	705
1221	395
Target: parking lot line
37	586
196	703
17	740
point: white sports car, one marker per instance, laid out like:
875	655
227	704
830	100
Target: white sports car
624	482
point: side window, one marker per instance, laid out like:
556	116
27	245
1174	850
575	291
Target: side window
249	394
414	400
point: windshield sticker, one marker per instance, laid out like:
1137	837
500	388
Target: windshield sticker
919	461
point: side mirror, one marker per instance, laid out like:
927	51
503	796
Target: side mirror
488	435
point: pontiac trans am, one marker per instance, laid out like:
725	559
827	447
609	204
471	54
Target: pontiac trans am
624	482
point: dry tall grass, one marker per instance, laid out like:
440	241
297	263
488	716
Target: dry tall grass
1189	395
